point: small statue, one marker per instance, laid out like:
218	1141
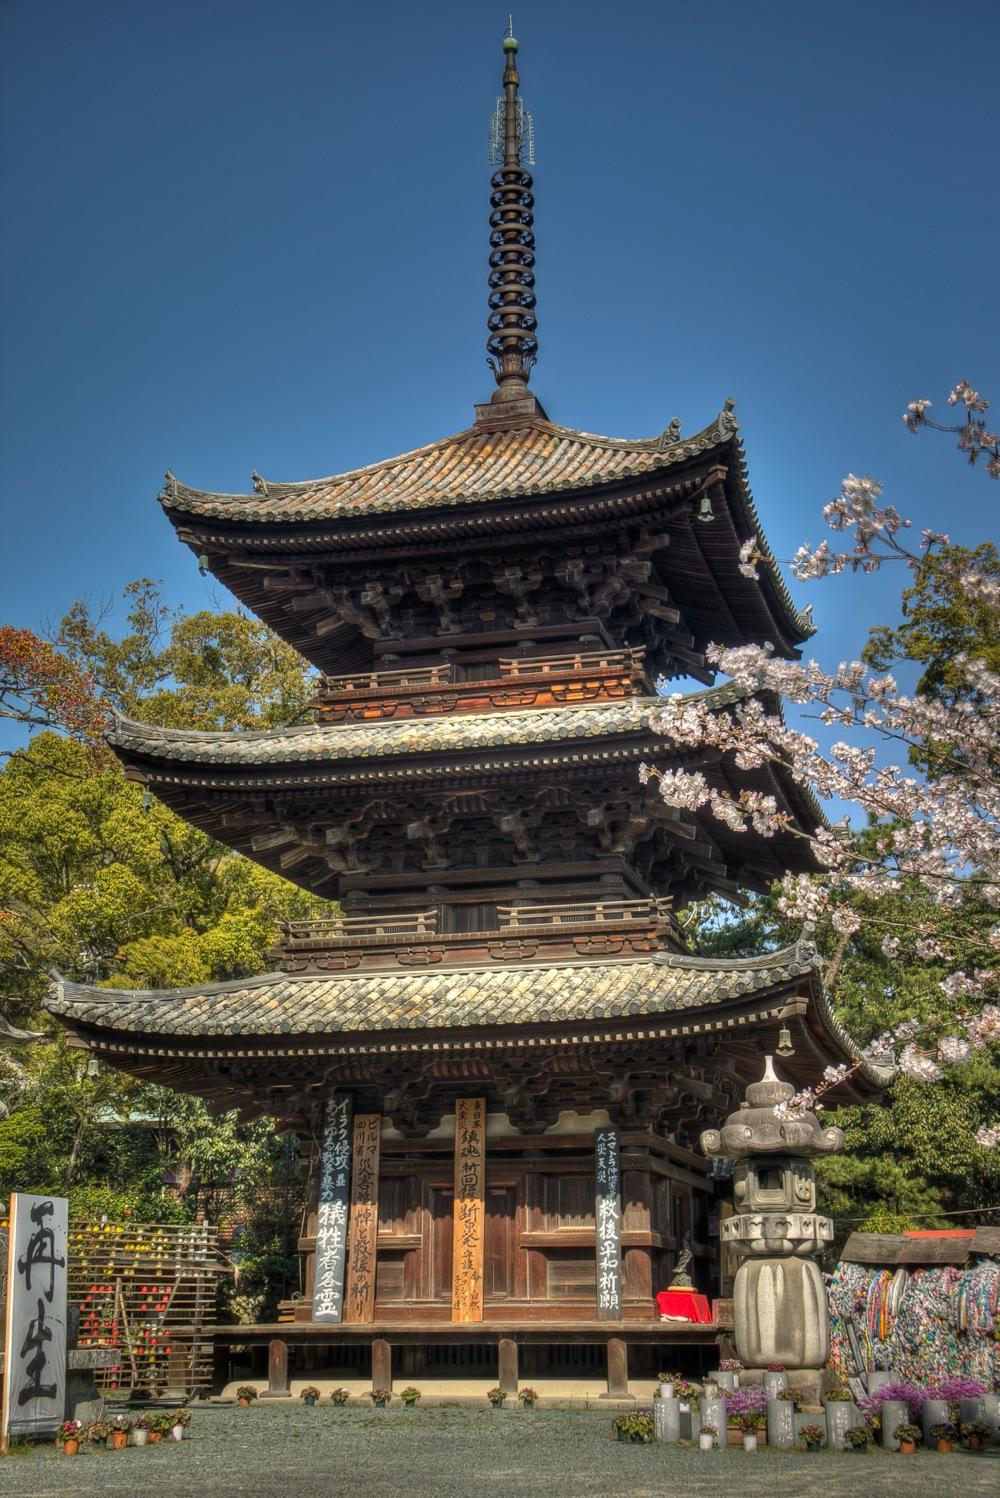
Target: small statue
681	1280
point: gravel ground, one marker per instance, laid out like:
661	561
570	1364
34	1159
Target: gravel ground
276	1450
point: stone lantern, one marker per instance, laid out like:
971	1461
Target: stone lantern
779	1299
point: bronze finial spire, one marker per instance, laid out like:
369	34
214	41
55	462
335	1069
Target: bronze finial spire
512	345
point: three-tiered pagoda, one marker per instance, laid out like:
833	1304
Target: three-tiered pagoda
502	1049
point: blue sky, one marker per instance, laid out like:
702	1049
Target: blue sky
248	235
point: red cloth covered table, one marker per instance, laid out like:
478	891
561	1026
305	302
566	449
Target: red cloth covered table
684	1305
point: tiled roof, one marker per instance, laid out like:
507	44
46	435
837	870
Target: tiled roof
329	742
309	743
283	1005
475	466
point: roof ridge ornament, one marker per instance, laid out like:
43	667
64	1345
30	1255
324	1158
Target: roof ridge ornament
512	345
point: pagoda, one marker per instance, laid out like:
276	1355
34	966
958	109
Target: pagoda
501	1050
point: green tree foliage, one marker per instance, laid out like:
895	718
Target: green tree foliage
940	621
914	1153
109	887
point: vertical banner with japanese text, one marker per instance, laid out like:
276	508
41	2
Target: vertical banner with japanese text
362	1245
34	1386
607	1216
469	1241
331	1210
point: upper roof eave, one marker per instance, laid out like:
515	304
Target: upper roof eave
474	468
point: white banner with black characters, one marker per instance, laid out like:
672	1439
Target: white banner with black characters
607	1215
331	1211
34	1388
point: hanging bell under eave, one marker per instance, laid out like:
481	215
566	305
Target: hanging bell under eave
784	1046
705	512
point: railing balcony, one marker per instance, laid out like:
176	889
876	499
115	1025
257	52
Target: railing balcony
587	913
582	662
362	930
392	681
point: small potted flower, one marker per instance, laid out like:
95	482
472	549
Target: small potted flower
246	1394
751	1423
944	1435
812	1437
143	1427
839	1395
410	1397
69	1436
687	1393
179	1422
496	1397
858	1437
309	1394
637	1429
907	1435
380	1397
156	1430
975	1434
97	1432
792	1394
339	1398
706	1437
120	1432
528	1397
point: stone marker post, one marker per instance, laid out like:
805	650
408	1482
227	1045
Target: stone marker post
779	1299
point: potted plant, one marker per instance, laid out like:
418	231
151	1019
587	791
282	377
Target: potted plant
907	1435
246	1394
69	1436
309	1394
528	1397
733	1366
812	1437
839	1395
858	1437
975	1433
380	1397
143	1426
410	1397
775	1378
945	1435
179	1422
706	1437
156	1431
687	1393
792	1394
635	1428
120	1432
751	1422
97	1433
496	1396
339	1398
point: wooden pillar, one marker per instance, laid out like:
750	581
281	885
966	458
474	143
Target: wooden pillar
617	1369
507	1370
381	1364
277	1366
469	1228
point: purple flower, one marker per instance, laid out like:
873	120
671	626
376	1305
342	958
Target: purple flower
953	1389
749	1401
903	1393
